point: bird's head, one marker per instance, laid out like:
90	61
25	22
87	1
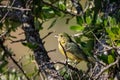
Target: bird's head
63	38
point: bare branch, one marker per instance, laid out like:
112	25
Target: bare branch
51	50
14	61
69	66
47	35
6	13
15	8
21	40
108	47
64	52
105	68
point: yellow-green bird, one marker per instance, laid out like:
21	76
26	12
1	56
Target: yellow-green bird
70	49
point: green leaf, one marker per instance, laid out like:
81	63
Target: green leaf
14	25
99	20
79	20
77	28
58	13
118	44
111	34
115	30
105	22
88	20
38	24
112	21
30	45
47	13
62	6
52	24
12	76
110	59
3	65
87	46
104	58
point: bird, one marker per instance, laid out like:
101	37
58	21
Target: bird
70	49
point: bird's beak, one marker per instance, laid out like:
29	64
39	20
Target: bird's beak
56	36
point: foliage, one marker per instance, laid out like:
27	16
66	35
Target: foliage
98	34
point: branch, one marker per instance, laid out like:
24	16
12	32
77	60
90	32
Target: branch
56	8
21	40
14	61
108	47
6	13
105	68
40	53
81	75
15	8
32	36
69	66
53	50
47	35
64	52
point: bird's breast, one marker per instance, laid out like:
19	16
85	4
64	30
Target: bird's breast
68	54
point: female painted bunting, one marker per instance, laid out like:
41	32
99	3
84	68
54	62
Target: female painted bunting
70	49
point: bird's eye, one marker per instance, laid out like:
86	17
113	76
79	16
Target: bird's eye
61	35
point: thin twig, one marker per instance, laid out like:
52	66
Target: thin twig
69	66
21	40
21	33
6	13
9	54
15	8
56	8
47	35
94	69
105	68
108	47
64	52
3	34
14	61
51	50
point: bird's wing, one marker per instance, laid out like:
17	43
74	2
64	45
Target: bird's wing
75	50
